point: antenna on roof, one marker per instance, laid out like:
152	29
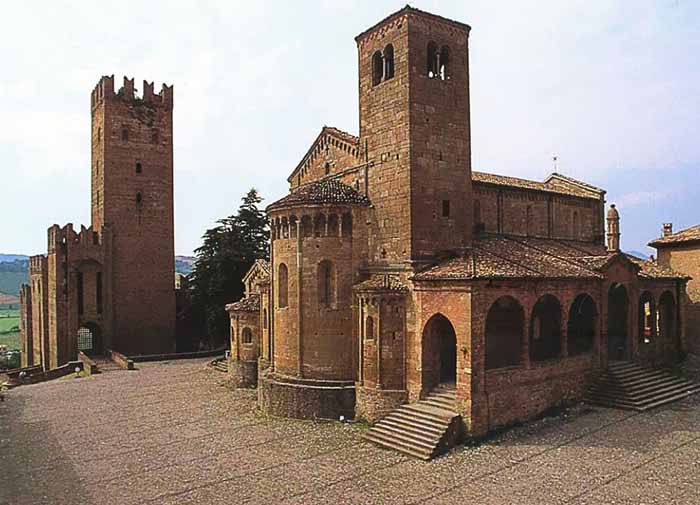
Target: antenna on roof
555	159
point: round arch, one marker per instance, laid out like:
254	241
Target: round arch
439	352
618	322
647	317
582	325
89	338
503	333
545	329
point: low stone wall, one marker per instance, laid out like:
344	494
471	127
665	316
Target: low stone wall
308	400
41	376
517	395
181	355
89	366
120	360
373	404
243	374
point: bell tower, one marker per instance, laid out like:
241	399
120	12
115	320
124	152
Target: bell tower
415	133
132	195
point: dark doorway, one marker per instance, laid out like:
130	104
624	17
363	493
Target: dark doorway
545	329
439	352
618	323
89	339
581	328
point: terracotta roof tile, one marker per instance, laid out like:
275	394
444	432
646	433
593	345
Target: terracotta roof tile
250	303
382	282
319	192
555	183
691	234
651	269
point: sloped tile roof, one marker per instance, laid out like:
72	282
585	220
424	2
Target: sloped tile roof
501	257
320	192
691	234
250	303
650	269
555	183
382	282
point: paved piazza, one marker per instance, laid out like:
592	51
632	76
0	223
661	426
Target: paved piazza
172	433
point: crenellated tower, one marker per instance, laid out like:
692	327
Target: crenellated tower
132	195
415	133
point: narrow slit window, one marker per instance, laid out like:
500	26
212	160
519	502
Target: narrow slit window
139	168
445	208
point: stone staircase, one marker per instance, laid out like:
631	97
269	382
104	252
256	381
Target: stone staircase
220	364
424	429
629	386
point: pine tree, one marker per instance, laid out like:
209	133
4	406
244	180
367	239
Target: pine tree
226	254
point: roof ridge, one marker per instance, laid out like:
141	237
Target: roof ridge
567	260
508	260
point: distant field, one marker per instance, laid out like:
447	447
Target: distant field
9	319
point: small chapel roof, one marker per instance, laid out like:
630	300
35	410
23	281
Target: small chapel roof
688	235
320	192
250	303
382	282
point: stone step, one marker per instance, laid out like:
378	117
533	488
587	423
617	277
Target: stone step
419	440
412	426
630	386
440	403
429	412
390	443
646	390
419	422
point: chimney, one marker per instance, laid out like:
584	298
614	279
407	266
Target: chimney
668	229
613	229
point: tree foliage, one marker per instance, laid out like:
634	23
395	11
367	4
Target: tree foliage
226	254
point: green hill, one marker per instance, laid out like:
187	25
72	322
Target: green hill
12	275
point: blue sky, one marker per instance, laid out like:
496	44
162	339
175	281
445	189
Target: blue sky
611	87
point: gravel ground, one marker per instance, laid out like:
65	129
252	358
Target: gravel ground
173	433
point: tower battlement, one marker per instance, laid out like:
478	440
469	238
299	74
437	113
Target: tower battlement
104	90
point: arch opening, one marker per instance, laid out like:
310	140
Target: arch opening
582	324
545	329
647	318
618	322
439	352
503	335
89	339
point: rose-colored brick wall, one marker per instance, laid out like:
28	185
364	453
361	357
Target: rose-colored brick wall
132	193
686	259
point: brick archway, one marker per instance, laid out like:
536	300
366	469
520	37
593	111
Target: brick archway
618	323
89	339
439	352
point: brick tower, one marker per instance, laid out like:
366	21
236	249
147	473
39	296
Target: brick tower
132	194
415	128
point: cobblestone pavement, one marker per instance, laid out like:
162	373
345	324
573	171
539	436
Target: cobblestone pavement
172	433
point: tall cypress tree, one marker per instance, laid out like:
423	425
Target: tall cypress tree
226	254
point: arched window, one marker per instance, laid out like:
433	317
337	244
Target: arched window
582	325
247	336
333	225
347	225
139	199
125	135
647	318
444	63
545	329
377	68
666	321
306	226
432	63
282	286
504	333
292	227
139	168
576	227
388	62
326	283
369	328
320	225
84	339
